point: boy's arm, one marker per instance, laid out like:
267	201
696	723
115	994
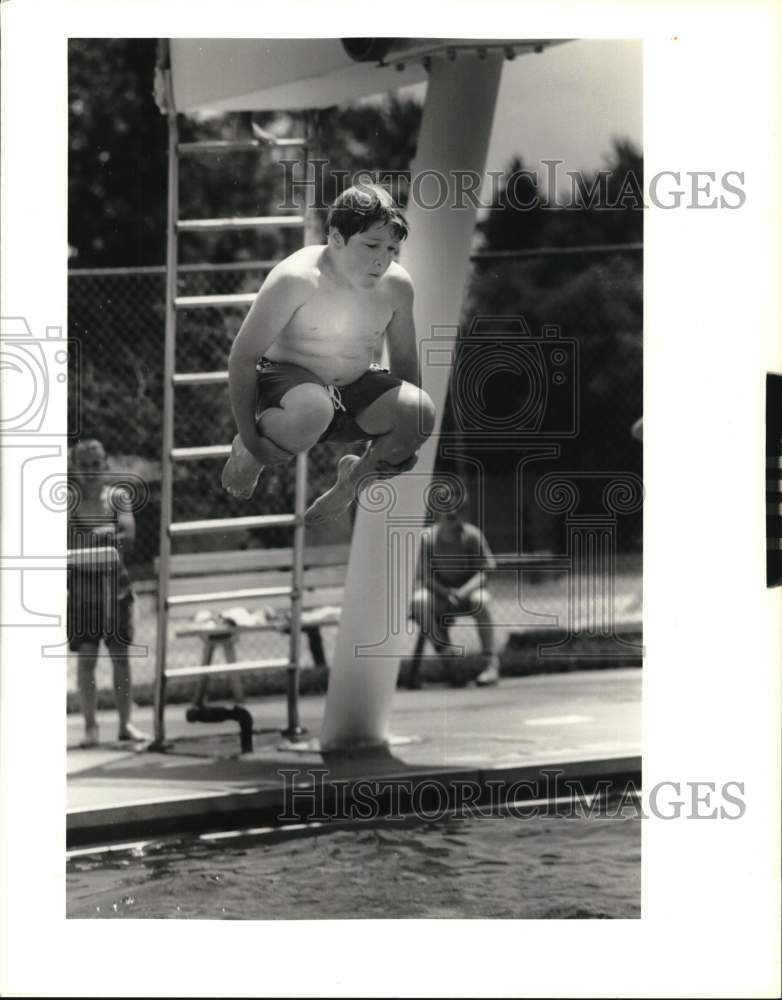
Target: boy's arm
488	563
121	532
280	296
476	581
424	573
126	532
400	332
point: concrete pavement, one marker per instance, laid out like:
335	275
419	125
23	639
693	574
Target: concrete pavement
586	723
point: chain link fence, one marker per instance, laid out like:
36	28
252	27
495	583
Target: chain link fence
118	318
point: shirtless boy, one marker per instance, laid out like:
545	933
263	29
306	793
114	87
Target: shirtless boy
100	603
451	579
302	368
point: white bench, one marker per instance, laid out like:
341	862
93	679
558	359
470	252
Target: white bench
325	568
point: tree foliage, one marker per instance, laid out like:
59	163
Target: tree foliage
117	218
116	155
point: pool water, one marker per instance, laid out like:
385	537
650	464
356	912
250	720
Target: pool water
459	867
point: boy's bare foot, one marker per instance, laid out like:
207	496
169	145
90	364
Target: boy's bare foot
91	738
336	500
132	733
241	472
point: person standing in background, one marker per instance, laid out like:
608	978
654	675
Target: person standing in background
100	597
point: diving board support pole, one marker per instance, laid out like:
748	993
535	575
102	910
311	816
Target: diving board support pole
454	136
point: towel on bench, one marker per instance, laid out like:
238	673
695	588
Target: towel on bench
240	617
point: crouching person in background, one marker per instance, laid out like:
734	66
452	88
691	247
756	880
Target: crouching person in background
451	580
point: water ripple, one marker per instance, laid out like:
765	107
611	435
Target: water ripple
506	867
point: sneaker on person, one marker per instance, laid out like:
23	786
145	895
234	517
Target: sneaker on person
132	734
490	674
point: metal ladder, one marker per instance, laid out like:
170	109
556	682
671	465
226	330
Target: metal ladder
168	530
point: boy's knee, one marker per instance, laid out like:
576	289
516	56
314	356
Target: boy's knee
308	406
483	599
303	415
477	603
420	604
417	412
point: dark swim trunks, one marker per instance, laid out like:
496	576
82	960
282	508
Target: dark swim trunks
274	378
92	617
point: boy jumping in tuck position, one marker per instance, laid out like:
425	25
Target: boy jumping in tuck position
302	368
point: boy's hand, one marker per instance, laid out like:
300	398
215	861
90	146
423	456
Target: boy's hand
241	472
103	529
253	448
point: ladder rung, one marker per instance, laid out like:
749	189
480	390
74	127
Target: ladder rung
232	524
214	301
243	667
208	451
228	595
200	378
233	146
255	222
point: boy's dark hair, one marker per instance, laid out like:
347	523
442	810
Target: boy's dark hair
88	455
362	206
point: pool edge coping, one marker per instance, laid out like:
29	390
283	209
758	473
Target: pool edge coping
210	810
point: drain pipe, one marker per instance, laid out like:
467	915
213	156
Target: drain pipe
218	713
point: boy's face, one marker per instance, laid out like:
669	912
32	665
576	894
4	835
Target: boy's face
449	521
91	457
365	257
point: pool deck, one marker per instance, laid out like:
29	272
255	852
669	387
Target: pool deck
586	724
